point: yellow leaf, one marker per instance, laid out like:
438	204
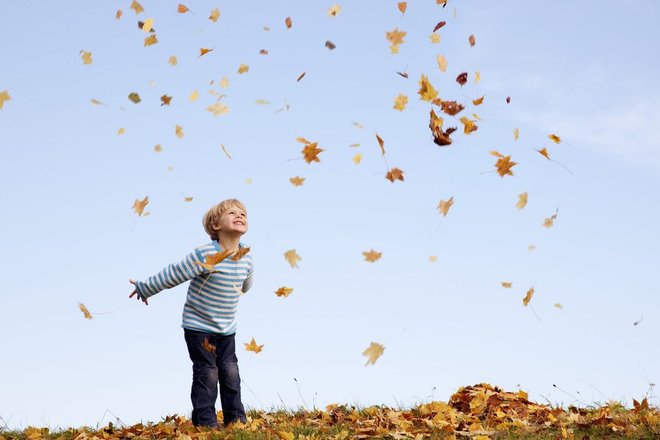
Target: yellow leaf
522	200
218	109
311	152
243	68
297	181
372	256
550	221
85	311
86	57
225	151
248	181
187	199
435	39
468	125
477	77
137	7
182	9
193	96
284	291
147	25
544	153
516	134
528	296
478	101
554	138
252	346
394	174
215	14
395	37
118	14
334	10
506	284
178	130
292	257
173	60
442	62
288	22
139	205
559	306
373	352
203	51
400	102
444	206
134	97
357	158
121	131
433	258
284	435
224	82
158	148
402	7
150	40
426	90
262	102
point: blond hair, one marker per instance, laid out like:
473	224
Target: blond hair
211	220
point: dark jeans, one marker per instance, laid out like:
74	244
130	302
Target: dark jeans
214	361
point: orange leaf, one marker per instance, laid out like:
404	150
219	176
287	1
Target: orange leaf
439	25
292	257
471	40
556	139
118	14
283	291
288	23
203	51
544	153
468	125
372	256
208	346
440	137
297	181
373	352
444	206
330	45
478	101
528	296
215	14
402	7
139	205
252	346
165	100
182	9
150	40
137	7
450	107
311	152
506	285
550	221
504	165
85	311
395	37
86	57
212	260
381	142
240	253
394	174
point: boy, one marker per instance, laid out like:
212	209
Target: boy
220	272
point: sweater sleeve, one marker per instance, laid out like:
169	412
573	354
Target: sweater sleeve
172	275
248	281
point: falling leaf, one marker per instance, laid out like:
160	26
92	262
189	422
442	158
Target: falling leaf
187	199
262	102
178	130
462	78
516	134
137	7
182	9
311	152
357	158
121	131
224	82
559	306
118	14
400	102
147	25
193	96
283	291
554	138
203	51
522	200
444	206
433	258
215	14
330	45
394	174
358	125
403	74
263	52
334	10
503	164
248	181
301	76
288	23
508	100
550	221
478	101
139	205
636	323
468	125
134	97
373	352
395	37
240	253
531	247
86	57
544	153
439	25
435	38
4	97
170	168
243	68
477	77
471	40
506	284
297	181
150	40
208	346
441	138
426	90
165	100
402	7
528	296
218	109
173	60
158	148
442	63
450	107
252	346
372	256
381	143
94	102
85	311
292	257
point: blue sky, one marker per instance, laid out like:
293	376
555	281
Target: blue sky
583	71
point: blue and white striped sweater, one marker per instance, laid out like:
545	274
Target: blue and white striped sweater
213	296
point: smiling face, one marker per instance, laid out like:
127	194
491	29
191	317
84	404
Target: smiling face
233	221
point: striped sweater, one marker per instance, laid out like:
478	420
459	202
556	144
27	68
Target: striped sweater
213	295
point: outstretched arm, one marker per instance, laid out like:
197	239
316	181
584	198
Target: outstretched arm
135	292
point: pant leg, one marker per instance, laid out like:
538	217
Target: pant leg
230	380
204	390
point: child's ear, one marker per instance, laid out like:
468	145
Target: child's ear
215	227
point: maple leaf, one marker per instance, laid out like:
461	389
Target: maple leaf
243	68
522	200
252	346
288	22
440	137
462	78
395	37
334	10
504	165
283	291
4	97
478	101
297	181
426	90
330	45
137	7
506	284
444	206
178	130
208	346
139	205
213	259
550	221
218	109
86	57
516	134
402	7
544	153
118	14
215	14
182	9
311	152
158	148
471	40
468	125
394	174
240	253
442	63
150	40
554	138
449	107
357	158
400	102
134	97
372	256
165	100
83	309
292	257
439	25
373	352
528	296
203	51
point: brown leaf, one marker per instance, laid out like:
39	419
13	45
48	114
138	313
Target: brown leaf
311	152
134	97
444	206
381	142
403	74
554	138
471	40
504	165
439	25
118	14
478	101
440	137
528	296
394	174
450	107
508	99
544	153
83	309
263	52
240	253
150	40
372	256
402	7
302	75
506	284
330	45
462	78
288	23
165	100
208	346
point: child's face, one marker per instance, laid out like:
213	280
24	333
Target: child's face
234	220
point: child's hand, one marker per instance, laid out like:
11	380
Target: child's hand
144	300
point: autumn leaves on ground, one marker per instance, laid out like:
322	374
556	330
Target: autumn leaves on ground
478	412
